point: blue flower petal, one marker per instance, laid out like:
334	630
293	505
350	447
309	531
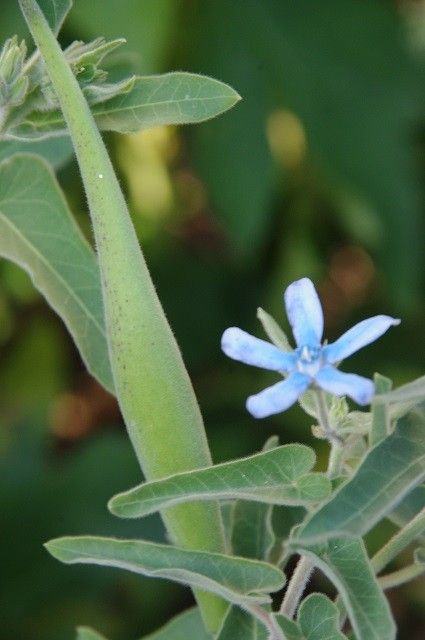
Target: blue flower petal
345	384
239	345
279	397
357	337
304	313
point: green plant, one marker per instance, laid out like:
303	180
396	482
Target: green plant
219	517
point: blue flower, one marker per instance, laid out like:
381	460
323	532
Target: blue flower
311	362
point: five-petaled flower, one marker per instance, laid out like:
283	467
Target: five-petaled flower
311	363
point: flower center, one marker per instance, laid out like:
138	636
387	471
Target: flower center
309	359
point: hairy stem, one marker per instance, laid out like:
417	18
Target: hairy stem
296	587
154	391
305	566
399	542
337	449
268	620
397	578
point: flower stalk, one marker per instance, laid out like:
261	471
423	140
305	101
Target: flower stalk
397	578
305	566
296	587
399	542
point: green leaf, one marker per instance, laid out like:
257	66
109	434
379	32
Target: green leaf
314	487
410	392
38	233
411	505
356	423
318	618
344	561
252	534
381	425
308	402
55	12
273	477
240	625
387	473
85	633
100	93
57	151
290	628
187	625
283	520
172	98
90	54
227	510
238	580
273	330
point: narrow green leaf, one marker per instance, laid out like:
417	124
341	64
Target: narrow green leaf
344	561
172	98
284	519
87	56
318	618
85	633
57	151
227	513
386	475
252	534
404	575
38	233
413	391
308	402
186	626
410	506
380	414
314	487
240	625
274	477
273	330
238	580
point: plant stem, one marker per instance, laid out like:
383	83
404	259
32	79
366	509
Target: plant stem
296	586
399	542
154	391
305	566
337	448
267	619
397	578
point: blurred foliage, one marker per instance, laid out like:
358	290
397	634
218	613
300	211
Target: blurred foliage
318	172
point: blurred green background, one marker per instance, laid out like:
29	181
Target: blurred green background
319	171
